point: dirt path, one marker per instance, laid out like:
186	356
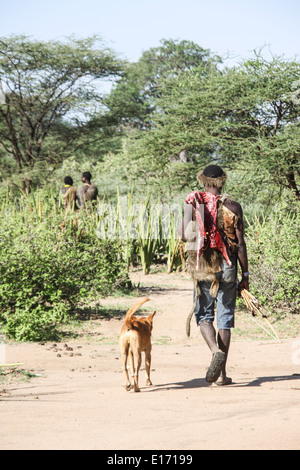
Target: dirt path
78	400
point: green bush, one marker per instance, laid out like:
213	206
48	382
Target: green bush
274	253
46	270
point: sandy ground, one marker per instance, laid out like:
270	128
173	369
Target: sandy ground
76	399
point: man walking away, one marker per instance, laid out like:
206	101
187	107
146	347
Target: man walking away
214	234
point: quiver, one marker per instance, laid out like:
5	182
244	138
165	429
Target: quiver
209	264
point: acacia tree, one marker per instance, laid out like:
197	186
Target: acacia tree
49	94
246	117
134	98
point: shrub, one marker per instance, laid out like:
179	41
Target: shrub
46	270
273	251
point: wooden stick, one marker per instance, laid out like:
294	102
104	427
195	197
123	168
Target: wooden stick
271	326
252	304
268	332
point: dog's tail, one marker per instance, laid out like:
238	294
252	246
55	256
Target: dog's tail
132	311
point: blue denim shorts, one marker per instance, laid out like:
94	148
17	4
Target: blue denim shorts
225	300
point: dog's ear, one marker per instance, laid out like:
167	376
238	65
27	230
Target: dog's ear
150	317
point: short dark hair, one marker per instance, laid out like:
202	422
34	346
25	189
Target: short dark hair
212	176
68	180
213	171
87	175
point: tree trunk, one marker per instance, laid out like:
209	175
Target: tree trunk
26	185
292	184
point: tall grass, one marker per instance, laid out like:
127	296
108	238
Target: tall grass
146	229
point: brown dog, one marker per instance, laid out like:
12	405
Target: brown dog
135	338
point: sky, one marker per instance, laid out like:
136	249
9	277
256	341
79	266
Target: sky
229	28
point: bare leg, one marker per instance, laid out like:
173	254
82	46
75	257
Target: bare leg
224	337
209	334
218	356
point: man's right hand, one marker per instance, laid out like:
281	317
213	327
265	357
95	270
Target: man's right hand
244	284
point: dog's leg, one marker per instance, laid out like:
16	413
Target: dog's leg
148	364
131	367
137	362
124	355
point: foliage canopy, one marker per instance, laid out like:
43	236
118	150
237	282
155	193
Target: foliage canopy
50	94
243	117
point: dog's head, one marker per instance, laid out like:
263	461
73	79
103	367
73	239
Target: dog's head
146	321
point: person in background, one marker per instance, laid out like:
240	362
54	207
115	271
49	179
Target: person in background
89	191
69	194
